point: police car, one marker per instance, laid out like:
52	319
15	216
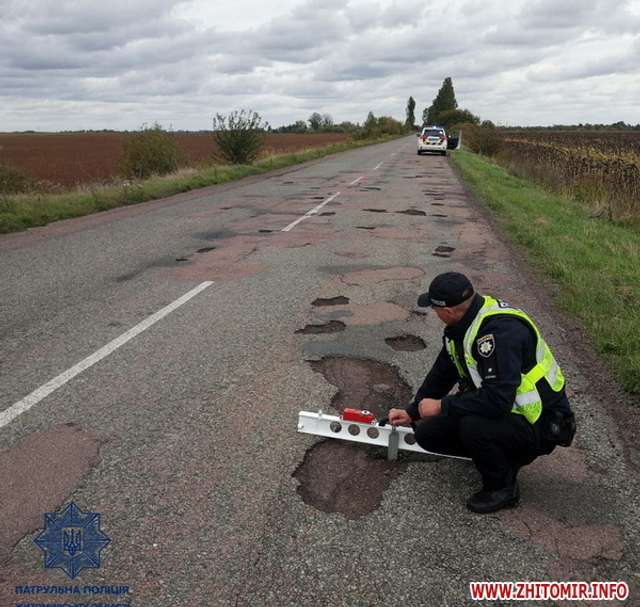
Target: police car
432	139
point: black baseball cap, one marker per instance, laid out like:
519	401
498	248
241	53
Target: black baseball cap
447	290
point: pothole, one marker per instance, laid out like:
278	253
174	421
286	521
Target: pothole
406	343
356	489
340	300
375	210
205	249
364	384
368	188
264	231
437	204
443	251
365	227
182	259
353	490
411	212
333	326
327	213
438	215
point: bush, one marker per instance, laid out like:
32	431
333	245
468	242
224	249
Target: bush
240	136
13	181
376	127
483	139
150	151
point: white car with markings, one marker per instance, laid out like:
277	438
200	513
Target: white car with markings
432	139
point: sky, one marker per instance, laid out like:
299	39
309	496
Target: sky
119	64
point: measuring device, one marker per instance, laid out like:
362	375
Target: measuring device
361	426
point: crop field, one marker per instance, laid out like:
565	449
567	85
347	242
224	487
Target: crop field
601	168
70	159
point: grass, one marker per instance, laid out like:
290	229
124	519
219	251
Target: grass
594	262
22	211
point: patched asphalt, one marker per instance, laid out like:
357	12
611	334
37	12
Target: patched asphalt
185	441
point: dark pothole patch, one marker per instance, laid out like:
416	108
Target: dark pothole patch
340	300
356	489
332	326
411	212
370	188
265	231
438	215
205	249
443	251
365	227
375	210
327	213
364	384
182	259
406	343
437	204
215	235
353	490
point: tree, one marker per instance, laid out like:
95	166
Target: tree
327	122
370	123
315	121
239	136
445	100
450	117
411	118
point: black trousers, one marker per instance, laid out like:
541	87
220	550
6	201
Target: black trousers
498	447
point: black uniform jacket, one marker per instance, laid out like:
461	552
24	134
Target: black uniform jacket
505	348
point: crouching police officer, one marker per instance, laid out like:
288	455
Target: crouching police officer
511	405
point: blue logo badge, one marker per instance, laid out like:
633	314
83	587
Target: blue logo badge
72	540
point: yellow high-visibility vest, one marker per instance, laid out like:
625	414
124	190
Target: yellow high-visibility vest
528	401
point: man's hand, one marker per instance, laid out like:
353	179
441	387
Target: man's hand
399	417
429	407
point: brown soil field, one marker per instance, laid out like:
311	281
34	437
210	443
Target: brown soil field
70	159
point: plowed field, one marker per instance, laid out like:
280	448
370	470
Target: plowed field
69	159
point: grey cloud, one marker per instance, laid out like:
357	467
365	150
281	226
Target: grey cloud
618	63
74	62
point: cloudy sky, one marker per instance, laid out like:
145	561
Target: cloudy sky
120	63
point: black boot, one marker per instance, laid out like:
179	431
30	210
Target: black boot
489	501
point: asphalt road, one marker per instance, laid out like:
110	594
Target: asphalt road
184	437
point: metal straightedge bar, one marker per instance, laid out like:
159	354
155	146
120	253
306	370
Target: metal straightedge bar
394	438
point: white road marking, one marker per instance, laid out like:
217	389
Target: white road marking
313	211
375	168
356	180
37	395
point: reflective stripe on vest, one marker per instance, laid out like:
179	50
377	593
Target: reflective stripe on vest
528	401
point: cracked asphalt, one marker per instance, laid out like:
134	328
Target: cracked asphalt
184	438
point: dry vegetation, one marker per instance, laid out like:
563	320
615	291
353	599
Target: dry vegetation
601	168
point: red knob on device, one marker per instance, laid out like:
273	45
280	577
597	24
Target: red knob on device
358	415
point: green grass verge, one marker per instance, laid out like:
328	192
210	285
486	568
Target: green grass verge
22	211
595	263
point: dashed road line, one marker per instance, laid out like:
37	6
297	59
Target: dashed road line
313	211
356	180
8	415
375	168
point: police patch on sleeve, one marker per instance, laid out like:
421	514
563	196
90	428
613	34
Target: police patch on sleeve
486	345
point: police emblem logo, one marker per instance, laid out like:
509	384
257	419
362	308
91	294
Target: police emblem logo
486	345
71	540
